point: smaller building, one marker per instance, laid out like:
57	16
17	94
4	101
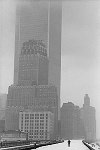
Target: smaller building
12	118
88	115
12	135
3	99
2	125
38	125
71	123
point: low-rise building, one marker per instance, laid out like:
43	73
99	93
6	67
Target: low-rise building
12	135
38	125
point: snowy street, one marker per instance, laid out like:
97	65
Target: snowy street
75	145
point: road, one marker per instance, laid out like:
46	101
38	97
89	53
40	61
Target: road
75	145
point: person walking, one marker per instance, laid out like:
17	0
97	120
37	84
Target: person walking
1	143
69	143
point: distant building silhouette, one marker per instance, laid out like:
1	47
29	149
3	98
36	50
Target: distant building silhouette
88	116
3	99
67	112
2	125
12	118
86	101
71	123
78	127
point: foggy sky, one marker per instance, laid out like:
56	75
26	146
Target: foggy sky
80	45
81	53
80	50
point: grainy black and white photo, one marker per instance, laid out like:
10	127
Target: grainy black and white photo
50	74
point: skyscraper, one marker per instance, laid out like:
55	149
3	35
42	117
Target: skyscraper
32	90
40	20
88	115
33	64
31	23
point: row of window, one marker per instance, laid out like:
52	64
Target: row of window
36	131
26	117
34	119
36	127
34	115
36	137
41	127
36	124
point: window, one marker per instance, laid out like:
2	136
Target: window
42	117
41	120
36	120
46	137
41	114
36	114
21	128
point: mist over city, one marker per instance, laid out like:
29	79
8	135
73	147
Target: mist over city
49	74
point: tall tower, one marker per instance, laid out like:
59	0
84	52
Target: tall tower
86	101
32	90
33	64
40	20
88	114
31	23
55	22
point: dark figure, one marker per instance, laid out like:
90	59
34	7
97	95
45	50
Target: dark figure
34	145
69	143
1	144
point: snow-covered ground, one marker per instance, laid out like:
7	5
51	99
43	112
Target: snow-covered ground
95	146
75	145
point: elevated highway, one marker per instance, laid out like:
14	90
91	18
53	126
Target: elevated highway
74	145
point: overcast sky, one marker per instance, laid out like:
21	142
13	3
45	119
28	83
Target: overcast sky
80	72
81	53
80	49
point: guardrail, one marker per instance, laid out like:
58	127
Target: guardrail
30	146
88	145
19	147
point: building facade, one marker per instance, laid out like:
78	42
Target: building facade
3	99
13	136
40	20
38	125
33	64
31	23
71	123
67	112
88	115
12	118
37	62
36	98
2	125
30	96
32	90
